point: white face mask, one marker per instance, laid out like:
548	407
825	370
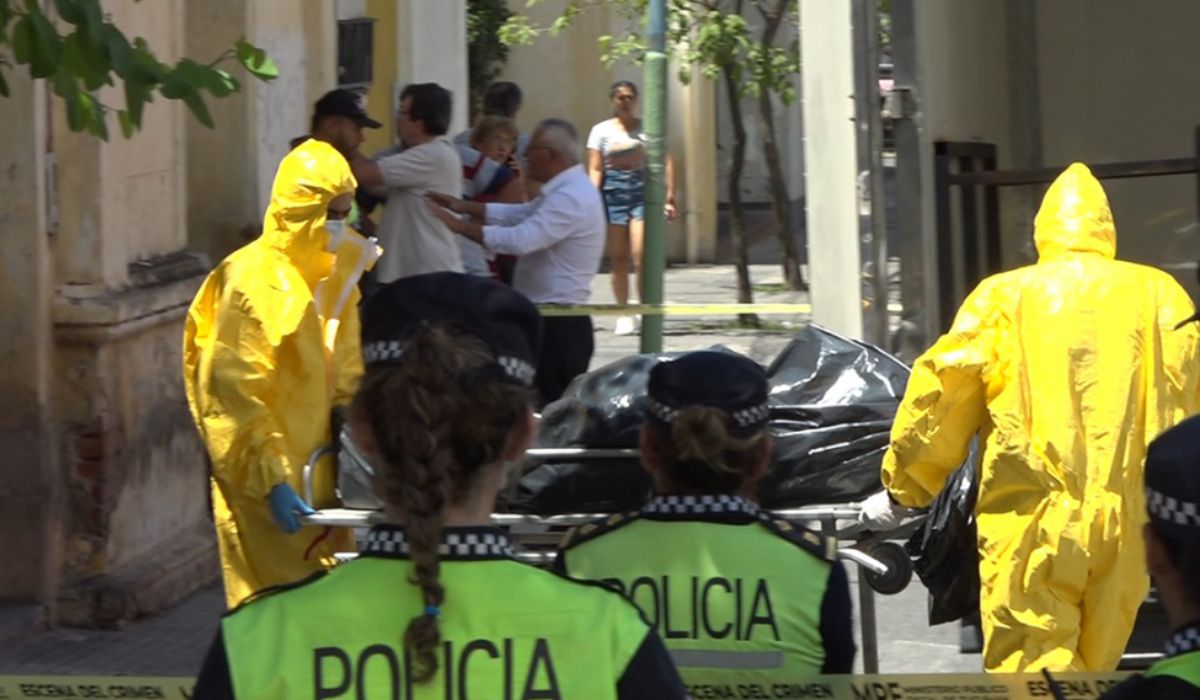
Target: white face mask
337	232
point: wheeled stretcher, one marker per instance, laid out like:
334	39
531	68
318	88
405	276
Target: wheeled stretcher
884	565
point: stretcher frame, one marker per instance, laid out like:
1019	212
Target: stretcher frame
537	535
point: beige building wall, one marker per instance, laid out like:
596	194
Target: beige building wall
1119	84
564	77
107	480
1052	83
431	46
963	60
302	38
222	209
134	471
123	201
231	167
31	502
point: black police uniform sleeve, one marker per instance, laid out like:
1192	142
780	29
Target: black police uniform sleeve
214	681
651	674
1157	688
837	629
559	565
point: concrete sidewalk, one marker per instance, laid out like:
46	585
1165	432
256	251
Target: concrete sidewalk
173	643
716	284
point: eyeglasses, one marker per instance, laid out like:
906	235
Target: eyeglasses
626	98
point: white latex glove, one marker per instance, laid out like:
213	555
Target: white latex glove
880	512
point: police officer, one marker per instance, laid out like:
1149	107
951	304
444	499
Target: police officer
741	598
436	606
1173	556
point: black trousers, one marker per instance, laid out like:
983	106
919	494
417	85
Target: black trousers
567	346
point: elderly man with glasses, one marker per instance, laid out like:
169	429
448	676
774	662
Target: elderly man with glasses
559	238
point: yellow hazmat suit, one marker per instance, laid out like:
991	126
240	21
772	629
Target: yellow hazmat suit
271	345
1067	369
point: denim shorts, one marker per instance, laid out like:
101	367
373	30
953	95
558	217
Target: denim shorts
623	196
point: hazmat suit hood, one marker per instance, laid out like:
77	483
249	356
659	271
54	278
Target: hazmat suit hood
1075	217
308	179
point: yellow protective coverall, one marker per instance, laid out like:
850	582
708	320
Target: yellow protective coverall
1067	369
271	345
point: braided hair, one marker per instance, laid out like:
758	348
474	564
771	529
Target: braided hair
436	420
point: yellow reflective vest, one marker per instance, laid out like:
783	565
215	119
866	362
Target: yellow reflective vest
506	630
745	602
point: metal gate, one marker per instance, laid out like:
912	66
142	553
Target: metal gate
968	235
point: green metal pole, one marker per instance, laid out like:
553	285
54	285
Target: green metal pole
654	252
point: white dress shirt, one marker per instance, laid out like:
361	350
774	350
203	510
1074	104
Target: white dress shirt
558	237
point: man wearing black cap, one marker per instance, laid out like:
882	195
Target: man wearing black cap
338	119
1172	539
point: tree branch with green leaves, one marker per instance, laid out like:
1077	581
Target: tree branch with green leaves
93	53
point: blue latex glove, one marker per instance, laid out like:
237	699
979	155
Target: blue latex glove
285	504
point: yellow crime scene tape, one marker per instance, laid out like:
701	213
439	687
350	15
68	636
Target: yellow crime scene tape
672	309
943	686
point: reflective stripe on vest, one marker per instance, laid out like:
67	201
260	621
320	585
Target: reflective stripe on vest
734	603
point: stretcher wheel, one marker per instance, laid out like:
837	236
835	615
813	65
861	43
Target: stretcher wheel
899	572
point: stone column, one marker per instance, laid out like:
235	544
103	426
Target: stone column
830	152
222	168
693	141
137	536
432	48
31	505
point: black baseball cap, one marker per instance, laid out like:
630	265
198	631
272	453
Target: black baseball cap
732	383
495	313
343	103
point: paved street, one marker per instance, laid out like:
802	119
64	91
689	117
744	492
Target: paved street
173	643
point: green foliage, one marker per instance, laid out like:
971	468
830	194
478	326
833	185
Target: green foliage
486	50
711	36
93	53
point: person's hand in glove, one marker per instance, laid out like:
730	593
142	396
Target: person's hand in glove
880	512
285	505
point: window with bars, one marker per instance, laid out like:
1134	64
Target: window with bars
356	40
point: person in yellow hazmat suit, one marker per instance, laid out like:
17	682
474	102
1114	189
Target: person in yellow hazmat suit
1066	369
271	346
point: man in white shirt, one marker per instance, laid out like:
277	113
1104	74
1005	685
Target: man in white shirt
559	238
414	240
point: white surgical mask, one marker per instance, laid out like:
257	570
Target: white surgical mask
337	231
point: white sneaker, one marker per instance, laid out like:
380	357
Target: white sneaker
626	325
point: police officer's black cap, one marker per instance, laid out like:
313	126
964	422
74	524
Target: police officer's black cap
1173	481
343	103
504	319
732	383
